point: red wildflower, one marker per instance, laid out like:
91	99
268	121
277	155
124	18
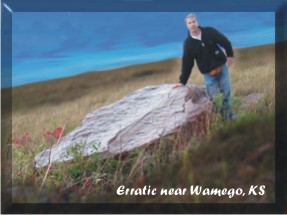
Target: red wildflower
16	140
48	133
57	132
88	183
21	141
54	135
87	186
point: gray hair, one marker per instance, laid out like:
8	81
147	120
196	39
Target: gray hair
191	15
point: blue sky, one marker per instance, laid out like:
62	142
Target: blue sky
49	45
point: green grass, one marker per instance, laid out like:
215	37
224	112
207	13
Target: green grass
232	154
237	156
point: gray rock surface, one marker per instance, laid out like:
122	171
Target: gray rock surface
251	99
140	118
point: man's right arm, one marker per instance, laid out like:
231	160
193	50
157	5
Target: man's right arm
186	65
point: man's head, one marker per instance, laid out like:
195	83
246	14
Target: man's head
191	22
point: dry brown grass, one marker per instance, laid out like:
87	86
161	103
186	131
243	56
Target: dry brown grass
49	104
45	106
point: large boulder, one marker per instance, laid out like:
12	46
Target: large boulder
141	118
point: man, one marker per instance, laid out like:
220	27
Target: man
203	45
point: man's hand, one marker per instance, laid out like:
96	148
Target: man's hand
229	61
177	85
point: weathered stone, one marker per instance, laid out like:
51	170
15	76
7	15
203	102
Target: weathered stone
141	118
251	99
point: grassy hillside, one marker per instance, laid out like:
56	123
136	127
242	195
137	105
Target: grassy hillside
235	154
101	84
127	78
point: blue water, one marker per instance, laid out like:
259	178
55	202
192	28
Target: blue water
52	45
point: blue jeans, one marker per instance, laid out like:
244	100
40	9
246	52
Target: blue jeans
220	84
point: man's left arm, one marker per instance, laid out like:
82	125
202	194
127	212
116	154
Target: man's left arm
226	44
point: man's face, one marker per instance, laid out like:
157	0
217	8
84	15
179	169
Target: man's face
191	24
